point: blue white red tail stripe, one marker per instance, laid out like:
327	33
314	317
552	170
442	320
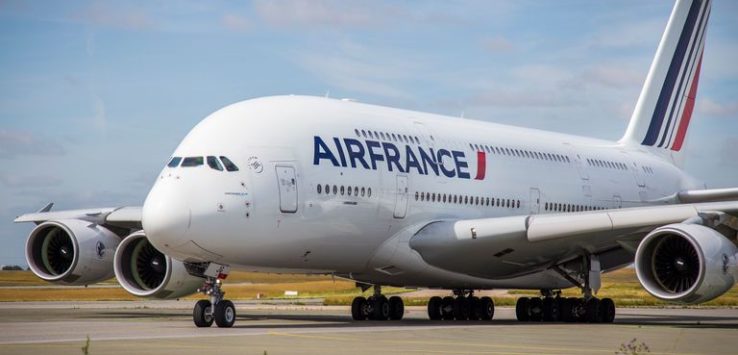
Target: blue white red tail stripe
670	114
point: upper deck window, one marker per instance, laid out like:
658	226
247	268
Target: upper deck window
192	161
228	164
174	162
213	163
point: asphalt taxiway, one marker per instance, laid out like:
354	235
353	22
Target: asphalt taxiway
166	327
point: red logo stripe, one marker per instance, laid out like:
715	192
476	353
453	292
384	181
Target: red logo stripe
481	165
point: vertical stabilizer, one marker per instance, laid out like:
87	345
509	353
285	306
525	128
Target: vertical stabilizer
661	117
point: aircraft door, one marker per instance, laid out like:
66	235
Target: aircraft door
401	197
535	200
287	182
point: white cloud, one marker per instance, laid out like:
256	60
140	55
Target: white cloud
16	143
107	15
497	44
354	67
634	34
17	181
709	107
235	22
320	12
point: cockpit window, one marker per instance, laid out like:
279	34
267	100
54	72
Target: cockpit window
213	163
229	164
192	161
174	162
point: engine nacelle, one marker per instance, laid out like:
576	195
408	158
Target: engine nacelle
686	263
144	271
71	252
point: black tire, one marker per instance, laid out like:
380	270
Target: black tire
607	307
447	308
551	311
473	304
485	308
566	309
358	308
522	309
461	308
225	314
380	309
592	310
577	305
434	308
202	315
397	308
536	309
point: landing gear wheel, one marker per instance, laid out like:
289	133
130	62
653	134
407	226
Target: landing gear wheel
522	309
551	310
485	308
358	308
592	310
536	309
435	308
447	308
225	314
473	304
202	314
396	308
461	308
380	308
607	307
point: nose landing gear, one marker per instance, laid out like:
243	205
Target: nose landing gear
216	309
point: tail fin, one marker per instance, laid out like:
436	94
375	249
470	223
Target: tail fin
661	116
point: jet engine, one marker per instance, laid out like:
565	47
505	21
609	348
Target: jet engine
71	252
686	263
144	271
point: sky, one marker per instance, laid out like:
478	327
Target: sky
94	96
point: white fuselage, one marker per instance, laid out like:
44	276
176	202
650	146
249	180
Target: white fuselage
301	201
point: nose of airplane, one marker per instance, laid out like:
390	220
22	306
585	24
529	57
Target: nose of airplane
166	215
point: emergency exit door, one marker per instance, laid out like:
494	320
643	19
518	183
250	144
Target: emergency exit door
287	183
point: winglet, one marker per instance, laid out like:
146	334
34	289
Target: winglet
46	208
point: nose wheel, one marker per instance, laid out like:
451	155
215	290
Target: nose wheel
215	309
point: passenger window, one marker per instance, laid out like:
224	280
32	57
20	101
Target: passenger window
174	162
213	163
417	195
369	192
363	190
348	190
356	191
192	161
335	190
363	133
342	190
320	189
327	189
357	133
228	164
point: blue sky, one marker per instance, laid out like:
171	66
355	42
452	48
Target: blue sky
94	96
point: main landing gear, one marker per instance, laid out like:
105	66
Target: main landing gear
216	309
464	306
562	309
551	307
377	307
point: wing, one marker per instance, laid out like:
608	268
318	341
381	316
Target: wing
124	217
513	246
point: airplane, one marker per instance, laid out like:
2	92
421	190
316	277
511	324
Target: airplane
390	197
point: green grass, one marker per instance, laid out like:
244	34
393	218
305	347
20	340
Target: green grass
621	285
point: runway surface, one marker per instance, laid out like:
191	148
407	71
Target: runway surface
166	327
